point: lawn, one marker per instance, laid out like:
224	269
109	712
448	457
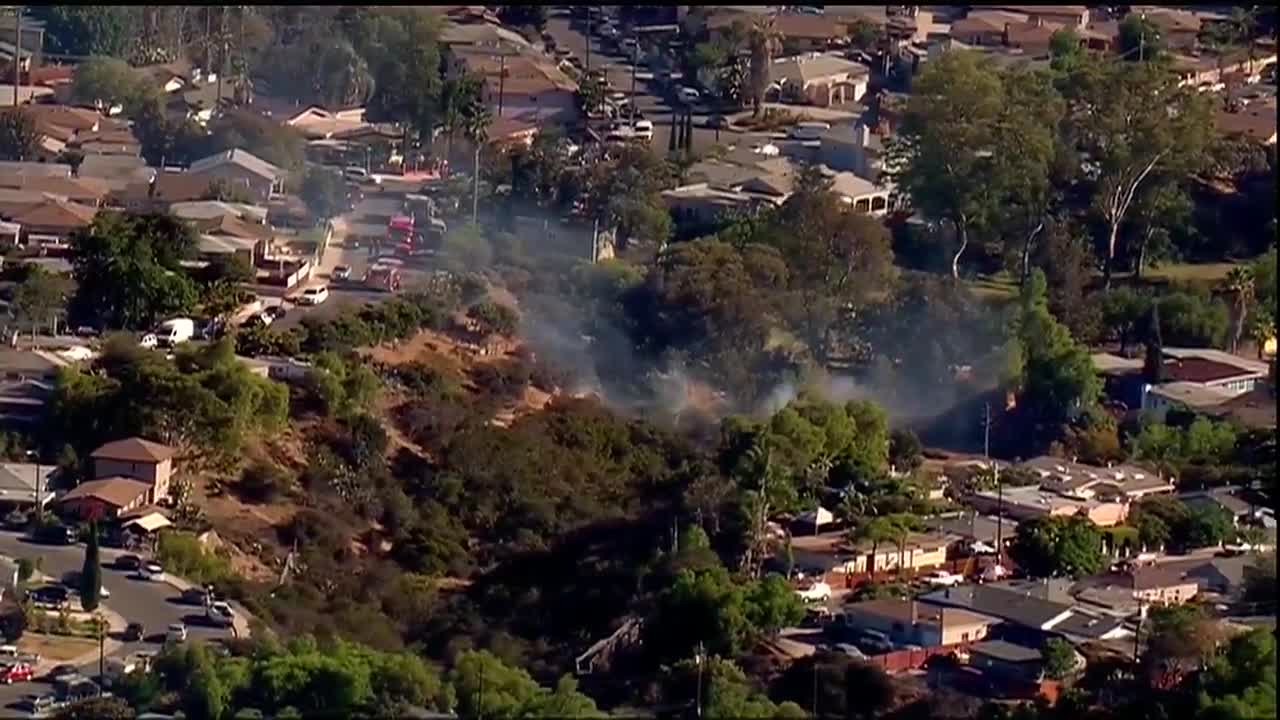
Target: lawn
56	648
1188	273
997	287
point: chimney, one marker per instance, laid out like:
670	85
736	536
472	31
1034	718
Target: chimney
1037	21
864	135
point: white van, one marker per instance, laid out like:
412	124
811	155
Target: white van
811	130
175	331
643	129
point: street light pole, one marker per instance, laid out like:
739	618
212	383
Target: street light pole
698	659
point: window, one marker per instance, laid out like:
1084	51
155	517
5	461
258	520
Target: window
964	637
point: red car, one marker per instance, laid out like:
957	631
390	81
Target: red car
18	672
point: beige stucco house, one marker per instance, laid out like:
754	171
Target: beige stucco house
140	459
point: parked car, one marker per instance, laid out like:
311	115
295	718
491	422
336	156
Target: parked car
56	535
689	95
134	632
17	672
313	295
943	577
643	129
220	613
355	173
50	595
153	571
149	341
873	641
128	562
275	312
176	633
60	671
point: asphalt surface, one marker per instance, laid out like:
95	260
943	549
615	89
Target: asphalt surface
606	56
154	604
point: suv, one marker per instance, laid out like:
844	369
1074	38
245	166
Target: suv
51	595
56	535
134	632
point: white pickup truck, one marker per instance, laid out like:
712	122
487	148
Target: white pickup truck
944	578
815	592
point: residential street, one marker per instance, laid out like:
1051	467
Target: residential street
154	604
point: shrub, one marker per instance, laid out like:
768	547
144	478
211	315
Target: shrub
13	621
181	553
264	481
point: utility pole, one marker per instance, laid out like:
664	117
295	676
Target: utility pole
17	54
588	61
502	78
995	471
102	650
635	54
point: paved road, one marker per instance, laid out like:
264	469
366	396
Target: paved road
618	70
154	604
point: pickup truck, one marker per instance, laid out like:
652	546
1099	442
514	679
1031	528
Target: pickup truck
815	592
943	578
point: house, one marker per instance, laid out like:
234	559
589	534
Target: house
1081	481
1201	379
264	179
26	384
1164	585
317	123
862	195
167	77
985	27
908	622
86	191
107	497
1006	661
1006	602
1031	37
167	188
53	220
209	209
1063	15
10	168
1179	29
1255	121
853	148
973	531
26	94
920	551
1203	69
18	483
820	79
1223	576
798	32
143	460
229	235
116	171
1030	502
1237	507
1102	36
512	131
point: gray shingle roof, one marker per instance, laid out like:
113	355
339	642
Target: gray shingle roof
242	158
1007	605
1006	651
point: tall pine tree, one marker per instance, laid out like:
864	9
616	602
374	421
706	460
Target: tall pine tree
91	573
1153	367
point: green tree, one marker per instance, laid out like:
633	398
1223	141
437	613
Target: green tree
278	144
106	82
475	126
127	270
108	30
41	298
1058	381
324	193
764	40
1140	39
487	687
1058	546
1153	364
19	136
1059	658
91	572
905	451
726	690
1136	124
949	156
1066	50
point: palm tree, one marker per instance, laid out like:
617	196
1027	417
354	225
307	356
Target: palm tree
901	525
1239	282
759	470
475	126
764	40
875	530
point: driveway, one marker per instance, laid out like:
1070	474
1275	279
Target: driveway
154	604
